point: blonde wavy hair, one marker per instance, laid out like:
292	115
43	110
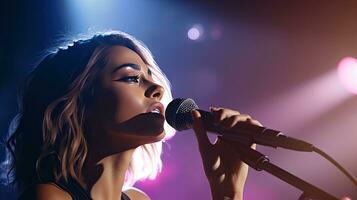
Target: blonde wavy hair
47	138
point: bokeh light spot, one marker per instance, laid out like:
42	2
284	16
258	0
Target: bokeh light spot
195	32
347	73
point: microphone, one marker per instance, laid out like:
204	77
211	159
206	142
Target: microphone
178	115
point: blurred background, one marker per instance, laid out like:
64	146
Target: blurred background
289	64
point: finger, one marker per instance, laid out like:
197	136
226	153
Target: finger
213	108
200	132
217	114
253	146
227	122
224	111
254	122
233	120
221	113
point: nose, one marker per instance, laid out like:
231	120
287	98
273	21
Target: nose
154	91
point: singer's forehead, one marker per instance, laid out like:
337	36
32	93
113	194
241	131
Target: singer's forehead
121	57
131	66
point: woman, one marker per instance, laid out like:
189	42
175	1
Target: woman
91	124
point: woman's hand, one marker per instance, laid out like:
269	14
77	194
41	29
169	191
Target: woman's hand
225	171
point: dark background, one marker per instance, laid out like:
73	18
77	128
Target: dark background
275	60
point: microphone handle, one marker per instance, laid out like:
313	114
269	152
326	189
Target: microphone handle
248	133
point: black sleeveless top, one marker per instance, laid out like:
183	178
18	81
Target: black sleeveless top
74	189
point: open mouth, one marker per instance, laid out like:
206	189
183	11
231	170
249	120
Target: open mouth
156	108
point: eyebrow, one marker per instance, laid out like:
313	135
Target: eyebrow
131	65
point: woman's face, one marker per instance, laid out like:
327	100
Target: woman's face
120	115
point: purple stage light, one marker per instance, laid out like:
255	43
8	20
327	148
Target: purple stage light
216	33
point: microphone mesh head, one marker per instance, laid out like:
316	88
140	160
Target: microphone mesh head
178	113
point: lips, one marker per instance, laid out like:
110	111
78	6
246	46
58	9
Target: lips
156	108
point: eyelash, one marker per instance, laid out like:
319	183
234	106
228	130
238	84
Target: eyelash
130	79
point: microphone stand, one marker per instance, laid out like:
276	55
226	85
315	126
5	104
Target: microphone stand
259	161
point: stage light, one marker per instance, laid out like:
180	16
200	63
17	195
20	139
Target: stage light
216	33
308	101
195	32
347	73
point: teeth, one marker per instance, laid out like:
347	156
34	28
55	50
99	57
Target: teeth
156	111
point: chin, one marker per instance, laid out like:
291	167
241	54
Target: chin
157	138
161	136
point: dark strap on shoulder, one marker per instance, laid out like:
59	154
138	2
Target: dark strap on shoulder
76	191
124	196
73	188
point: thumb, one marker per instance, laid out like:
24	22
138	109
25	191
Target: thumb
200	132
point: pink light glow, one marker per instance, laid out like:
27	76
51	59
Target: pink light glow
307	101
347	72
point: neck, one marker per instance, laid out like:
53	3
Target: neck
104	178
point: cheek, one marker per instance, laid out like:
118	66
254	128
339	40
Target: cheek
117	105
128	105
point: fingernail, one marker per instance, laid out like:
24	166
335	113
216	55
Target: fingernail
212	108
193	114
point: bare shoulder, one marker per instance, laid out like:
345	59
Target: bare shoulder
136	194
50	191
